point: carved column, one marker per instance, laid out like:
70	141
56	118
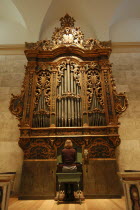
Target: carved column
27	117
53	96
84	96
105	66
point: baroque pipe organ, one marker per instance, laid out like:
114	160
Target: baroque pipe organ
68	92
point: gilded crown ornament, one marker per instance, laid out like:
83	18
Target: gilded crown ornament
67	21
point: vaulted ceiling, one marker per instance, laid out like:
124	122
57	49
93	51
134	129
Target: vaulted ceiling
33	20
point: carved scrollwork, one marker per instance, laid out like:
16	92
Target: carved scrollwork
24	143
17	102
61	68
101	151
108	95
115	140
42	87
25	132
42	66
37	149
68	35
101	148
94	89
16	106
79	141
74	69
121	103
105	65
58	142
39	45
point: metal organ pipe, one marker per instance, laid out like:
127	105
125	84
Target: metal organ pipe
68	77
68	101
78	116
60	108
72	91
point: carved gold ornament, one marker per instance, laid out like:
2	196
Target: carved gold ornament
68	35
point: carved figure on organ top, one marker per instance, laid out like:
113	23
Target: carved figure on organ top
68	37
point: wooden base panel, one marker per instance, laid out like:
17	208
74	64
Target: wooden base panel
38	180
101	179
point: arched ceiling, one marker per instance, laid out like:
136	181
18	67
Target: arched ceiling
125	24
32	20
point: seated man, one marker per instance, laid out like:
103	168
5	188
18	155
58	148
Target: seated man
68	159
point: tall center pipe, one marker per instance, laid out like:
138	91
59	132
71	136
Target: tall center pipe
65	77
68	76
60	106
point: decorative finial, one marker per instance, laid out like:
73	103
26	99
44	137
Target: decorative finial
67	21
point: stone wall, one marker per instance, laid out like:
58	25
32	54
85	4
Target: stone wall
126	71
11	77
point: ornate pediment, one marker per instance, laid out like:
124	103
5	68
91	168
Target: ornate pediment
68	35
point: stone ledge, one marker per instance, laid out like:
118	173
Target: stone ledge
117	47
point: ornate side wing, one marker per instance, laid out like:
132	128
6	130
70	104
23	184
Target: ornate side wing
16	106
120	103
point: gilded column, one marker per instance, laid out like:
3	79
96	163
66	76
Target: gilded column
84	96
30	77
53	96
109	103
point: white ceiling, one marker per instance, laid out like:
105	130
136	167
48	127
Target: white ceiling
32	20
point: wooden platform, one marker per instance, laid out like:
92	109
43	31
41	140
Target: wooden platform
88	204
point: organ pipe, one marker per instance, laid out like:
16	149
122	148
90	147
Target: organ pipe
69	101
68	106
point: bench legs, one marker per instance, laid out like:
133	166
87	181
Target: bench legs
59	193
78	193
